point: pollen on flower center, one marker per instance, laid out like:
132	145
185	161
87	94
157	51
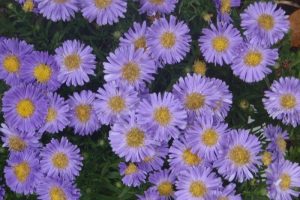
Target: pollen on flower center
60	160
210	137
11	64
239	155
266	22
42	73
51	115
194	101
157	2
253	58
131	169
131	72
16	143
83	112
225	6
116	104
165	188
285	182
266	158
135	138
190	158
72	62
101	4
198	189
220	43
288	101
162	115
25	108
168	40
22	171
281	143
57	194
140	43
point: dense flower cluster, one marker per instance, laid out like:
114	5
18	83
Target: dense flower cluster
176	141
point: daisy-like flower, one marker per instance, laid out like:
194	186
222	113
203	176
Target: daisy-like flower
164	183
196	183
149	194
283	180
129	66
264	23
226	193
29	5
130	140
135	36
253	62
22	172
199	67
115	101
267	158
60	158
104	11
41	69
133	175
282	101
12	55
157	6
57	188
239	157
224	9
277	138
56	10
169	41
24	108
18	141
83	117
76	62
206	135
57	114
218	43
163	115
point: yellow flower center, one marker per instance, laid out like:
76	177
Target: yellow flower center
11	64
210	137
157	2
220	43
116	104
72	62
162	115
194	101
198	189
135	138
83	112
288	101
281	143
253	58
140	43
168	40
102	4
51	115
57	194
131	169
165	188
42	73
239	155
225	6
199	67
28	6
266	22
190	158
16	143
22	171
266	158
131	72
60	160
25	108
285	182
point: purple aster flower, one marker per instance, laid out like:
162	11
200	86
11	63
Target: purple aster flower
169	41
149	194
24	108
115	101
196	183
253	62
22	172
157	6
2	193
135	36
41	69
133	175
226	193
60	158
56	10
264	23
57	115
164	183
239	157
219	43
129	66
104	11
18	141
282	101
76	62
57	188
83	116
283	180
12	55
163	115
224	9
206	135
